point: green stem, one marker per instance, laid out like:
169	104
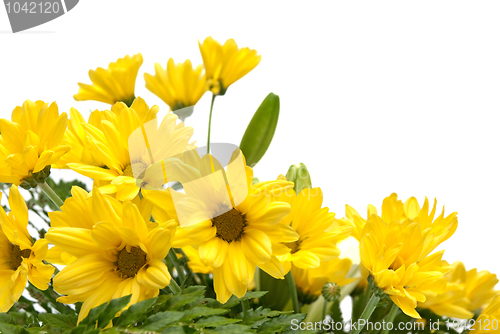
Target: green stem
245	305
325	305
293	292
370	307
391	316
51	194
180	270
174	287
210	122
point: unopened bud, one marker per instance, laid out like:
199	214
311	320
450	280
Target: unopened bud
331	292
300	176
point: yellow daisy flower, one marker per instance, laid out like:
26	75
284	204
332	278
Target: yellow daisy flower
460	293
118	256
31	142
309	282
20	258
114	84
178	85
226	64
125	152
489	321
242	237
76	135
311	221
395	249
81	202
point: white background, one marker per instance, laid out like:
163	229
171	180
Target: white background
376	96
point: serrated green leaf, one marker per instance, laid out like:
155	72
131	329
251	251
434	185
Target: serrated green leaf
280	324
260	130
59	320
257	317
12	329
113	307
188	296
160	320
229	329
134	312
215	321
198	312
93	315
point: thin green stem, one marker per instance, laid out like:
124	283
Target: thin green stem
293	292
180	270
210	122
245	305
174	287
370	307
51	194
391	316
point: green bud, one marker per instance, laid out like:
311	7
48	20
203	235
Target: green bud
300	176
35	178
331	292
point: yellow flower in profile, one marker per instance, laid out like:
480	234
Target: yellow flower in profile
226	64
396	249
179	85
309	282
118	256
31	142
460	293
109	143
20	258
194	261
232	239
76	135
489	321
311	221
114	84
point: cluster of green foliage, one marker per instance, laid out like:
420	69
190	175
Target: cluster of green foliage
188	312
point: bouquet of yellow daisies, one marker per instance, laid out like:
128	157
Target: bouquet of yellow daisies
177	237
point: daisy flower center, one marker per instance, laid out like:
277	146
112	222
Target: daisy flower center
129	263
139	168
229	225
17	255
294	246
128	171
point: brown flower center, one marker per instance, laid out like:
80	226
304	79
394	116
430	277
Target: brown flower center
17	255
129	263
294	246
229	225
139	168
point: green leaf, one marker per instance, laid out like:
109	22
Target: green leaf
62	189
93	315
260	130
113	307
281	293
198	312
160	320
280	324
58	320
215	321
134	312
11	329
257	317
229	329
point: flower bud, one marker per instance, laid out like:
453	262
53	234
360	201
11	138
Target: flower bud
300	176
330	291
